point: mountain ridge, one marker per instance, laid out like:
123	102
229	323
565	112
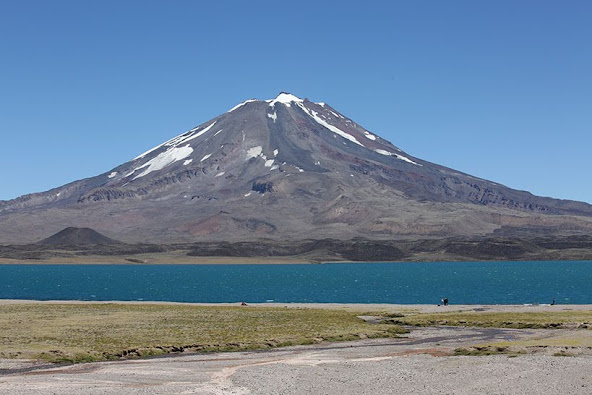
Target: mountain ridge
281	168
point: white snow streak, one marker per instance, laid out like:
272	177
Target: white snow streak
218	132
332	128
175	141
149	151
220	174
248	194
337	115
276	152
383	152
370	136
400	157
194	136
113	174
164	159
272	116
404	158
188	161
241	104
205	157
269	162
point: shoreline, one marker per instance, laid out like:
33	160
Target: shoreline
198	261
418	308
173	260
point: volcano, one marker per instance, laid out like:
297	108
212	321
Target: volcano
285	169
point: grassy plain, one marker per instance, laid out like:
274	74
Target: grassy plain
520	320
568	331
92	332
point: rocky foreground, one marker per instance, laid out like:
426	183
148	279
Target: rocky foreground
427	360
421	363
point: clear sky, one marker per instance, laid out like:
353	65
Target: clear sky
499	89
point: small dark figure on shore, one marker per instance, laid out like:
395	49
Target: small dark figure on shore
553	302
244	304
445	301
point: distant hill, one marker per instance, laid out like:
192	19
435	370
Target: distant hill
77	236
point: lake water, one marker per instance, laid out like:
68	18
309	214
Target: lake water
423	283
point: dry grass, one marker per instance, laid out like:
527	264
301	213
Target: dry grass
90	332
567	342
547	320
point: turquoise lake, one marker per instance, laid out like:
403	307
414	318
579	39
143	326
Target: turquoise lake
423	283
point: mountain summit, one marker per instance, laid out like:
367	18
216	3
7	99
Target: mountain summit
285	168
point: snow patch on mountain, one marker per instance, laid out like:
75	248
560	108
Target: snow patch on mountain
383	152
334	129
150	151
254	152
205	157
370	136
196	135
164	159
178	140
404	158
113	174
400	157
286	99
241	104
188	161
272	116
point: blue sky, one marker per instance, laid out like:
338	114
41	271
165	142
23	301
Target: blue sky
501	90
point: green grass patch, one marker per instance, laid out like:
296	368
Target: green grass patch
538	320
477	351
93	332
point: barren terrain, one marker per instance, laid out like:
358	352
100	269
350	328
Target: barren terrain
430	359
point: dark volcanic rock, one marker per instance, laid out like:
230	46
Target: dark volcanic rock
491	249
351	250
77	237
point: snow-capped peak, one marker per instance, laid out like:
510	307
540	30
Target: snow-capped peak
285	98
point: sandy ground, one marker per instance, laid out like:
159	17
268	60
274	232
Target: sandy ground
420	363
